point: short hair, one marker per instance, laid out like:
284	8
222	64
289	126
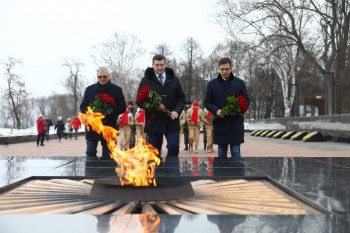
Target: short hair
102	68
225	60
158	57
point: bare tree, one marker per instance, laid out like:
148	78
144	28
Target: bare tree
234	50
53	106
74	83
189	75
15	96
164	50
119	54
298	23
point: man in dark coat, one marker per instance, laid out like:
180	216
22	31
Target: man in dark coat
105	86
157	123
230	129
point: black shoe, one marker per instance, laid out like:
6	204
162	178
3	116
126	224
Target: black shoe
42	144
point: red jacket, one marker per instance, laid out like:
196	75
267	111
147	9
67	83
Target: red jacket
40	122
76	123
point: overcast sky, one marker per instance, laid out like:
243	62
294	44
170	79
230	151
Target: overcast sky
42	33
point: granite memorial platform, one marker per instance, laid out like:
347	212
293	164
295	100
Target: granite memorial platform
319	186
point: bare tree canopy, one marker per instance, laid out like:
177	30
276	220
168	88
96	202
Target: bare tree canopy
317	30
74	83
119	54
188	70
16	104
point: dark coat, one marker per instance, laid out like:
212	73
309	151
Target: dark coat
48	123
230	129
173	100
60	127
113	91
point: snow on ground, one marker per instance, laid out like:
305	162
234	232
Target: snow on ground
4	132
18	132
272	126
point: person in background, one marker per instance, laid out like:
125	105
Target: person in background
103	85
204	136
193	117
48	125
228	130
125	121
40	123
163	81
208	126
132	110
184	125
76	125
69	128
139	120
60	128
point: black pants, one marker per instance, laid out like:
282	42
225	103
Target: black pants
40	138
186	132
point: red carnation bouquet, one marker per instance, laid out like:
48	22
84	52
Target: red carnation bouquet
237	105
103	103
149	99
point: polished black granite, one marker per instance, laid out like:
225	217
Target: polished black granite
321	182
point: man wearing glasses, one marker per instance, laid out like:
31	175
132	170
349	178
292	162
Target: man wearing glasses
105	86
229	130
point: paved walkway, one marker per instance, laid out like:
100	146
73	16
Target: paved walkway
253	147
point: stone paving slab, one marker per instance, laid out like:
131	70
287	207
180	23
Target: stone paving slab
253	147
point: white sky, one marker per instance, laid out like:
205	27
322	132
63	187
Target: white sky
42	33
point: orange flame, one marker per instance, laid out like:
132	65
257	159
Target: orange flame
136	166
135	223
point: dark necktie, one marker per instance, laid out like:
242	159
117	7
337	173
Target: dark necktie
161	79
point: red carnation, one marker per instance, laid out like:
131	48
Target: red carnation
150	100
243	104
143	94
103	103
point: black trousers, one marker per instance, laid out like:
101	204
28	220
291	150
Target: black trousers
40	138
186	132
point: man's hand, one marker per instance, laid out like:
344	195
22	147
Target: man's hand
174	115
218	112
160	107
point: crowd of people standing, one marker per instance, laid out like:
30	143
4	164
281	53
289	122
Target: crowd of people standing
170	119
63	129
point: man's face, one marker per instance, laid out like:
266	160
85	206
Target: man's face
225	70
159	66
102	77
